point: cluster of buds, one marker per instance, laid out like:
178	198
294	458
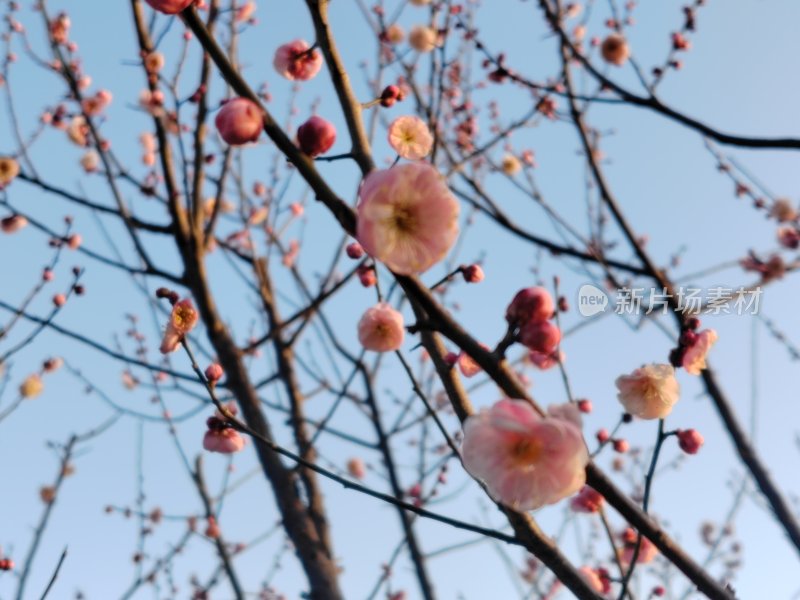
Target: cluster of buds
391	94
530	314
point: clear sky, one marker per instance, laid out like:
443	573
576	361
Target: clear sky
739	77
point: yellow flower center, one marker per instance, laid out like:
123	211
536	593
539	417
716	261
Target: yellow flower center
525	451
403	219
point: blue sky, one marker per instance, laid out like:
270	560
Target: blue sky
737	77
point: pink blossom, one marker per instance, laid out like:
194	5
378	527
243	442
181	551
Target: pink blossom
410	137
615	50
525	460
594	580
90	161
690	440
647	550
182	321
694	357
356	468
789	237
530	304
169	7
240	121
783	211
467	366
407	217
316	136
224	441
296	61
246	11
588	500
31	387
78	131
423	38
545	361
154	62
9	169
649	392
381	328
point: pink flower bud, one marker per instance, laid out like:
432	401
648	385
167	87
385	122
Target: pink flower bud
473	274
690	440
356	468
13	224
602	436
240	121
530	304
585	406
59	300
214	373
588	500
621	446
74	241
367	276
169	7
540	336
354	251
316	136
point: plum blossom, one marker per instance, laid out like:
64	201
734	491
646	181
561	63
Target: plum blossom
169	7
90	161
381	328
246	11
526	460
647	550
649	392
225	440
694	357
545	361
78	131
181	321
31	386
422	38
467	366
615	50
9	169
239	121
588	500
407	217
595	580
510	165
410	137
356	468
154	62
783	211
297	61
